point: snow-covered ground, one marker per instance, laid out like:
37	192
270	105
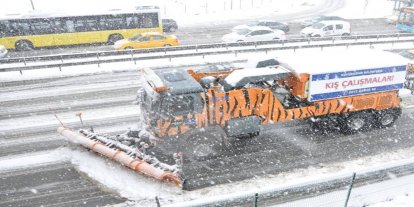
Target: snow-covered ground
116	176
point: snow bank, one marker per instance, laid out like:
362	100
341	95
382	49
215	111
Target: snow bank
140	188
30	159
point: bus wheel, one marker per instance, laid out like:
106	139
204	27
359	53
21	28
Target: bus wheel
113	38
129	48
24	45
167	45
387	118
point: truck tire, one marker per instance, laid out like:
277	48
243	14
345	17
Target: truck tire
203	144
355	122
387	118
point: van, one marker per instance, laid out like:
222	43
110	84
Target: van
327	28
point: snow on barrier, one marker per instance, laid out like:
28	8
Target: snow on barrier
65	60
286	194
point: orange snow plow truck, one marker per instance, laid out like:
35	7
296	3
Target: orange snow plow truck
189	116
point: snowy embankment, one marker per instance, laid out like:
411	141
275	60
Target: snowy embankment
190	12
142	190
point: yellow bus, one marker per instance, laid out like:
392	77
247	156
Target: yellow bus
28	31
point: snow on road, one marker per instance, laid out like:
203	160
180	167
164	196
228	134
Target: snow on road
48	120
142	190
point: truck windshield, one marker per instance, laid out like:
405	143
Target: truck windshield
318	26
242	31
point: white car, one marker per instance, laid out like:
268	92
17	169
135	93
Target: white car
246	33
327	28
3	51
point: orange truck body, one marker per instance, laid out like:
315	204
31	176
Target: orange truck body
220	107
372	87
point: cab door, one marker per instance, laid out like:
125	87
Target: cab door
158	41
143	42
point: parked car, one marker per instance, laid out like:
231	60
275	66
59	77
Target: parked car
3	51
392	19
147	40
262	62
255	33
327	28
311	21
169	25
274	25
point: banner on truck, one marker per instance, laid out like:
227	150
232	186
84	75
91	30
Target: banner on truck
357	82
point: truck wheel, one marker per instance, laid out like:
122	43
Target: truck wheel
355	122
387	118
203	144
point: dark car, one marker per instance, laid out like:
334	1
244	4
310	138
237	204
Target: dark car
274	25
310	22
169	25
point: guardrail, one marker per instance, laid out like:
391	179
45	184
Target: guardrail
188	51
280	195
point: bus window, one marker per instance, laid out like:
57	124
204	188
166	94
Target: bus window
131	21
3	28
80	25
58	26
40	26
19	27
92	24
148	20
70	25
112	22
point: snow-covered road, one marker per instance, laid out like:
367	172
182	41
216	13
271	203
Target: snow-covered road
292	147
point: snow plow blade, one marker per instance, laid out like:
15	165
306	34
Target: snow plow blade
127	156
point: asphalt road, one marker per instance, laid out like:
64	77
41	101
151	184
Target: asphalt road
281	147
57	184
207	34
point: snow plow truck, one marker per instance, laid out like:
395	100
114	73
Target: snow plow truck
189	116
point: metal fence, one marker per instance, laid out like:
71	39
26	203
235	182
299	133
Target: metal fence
65	60
354	189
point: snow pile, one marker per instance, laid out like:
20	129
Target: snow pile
143	189
365	9
406	200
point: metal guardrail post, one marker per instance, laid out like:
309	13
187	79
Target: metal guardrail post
256	199
350	189
157	201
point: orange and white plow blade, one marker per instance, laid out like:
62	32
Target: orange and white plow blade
120	156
